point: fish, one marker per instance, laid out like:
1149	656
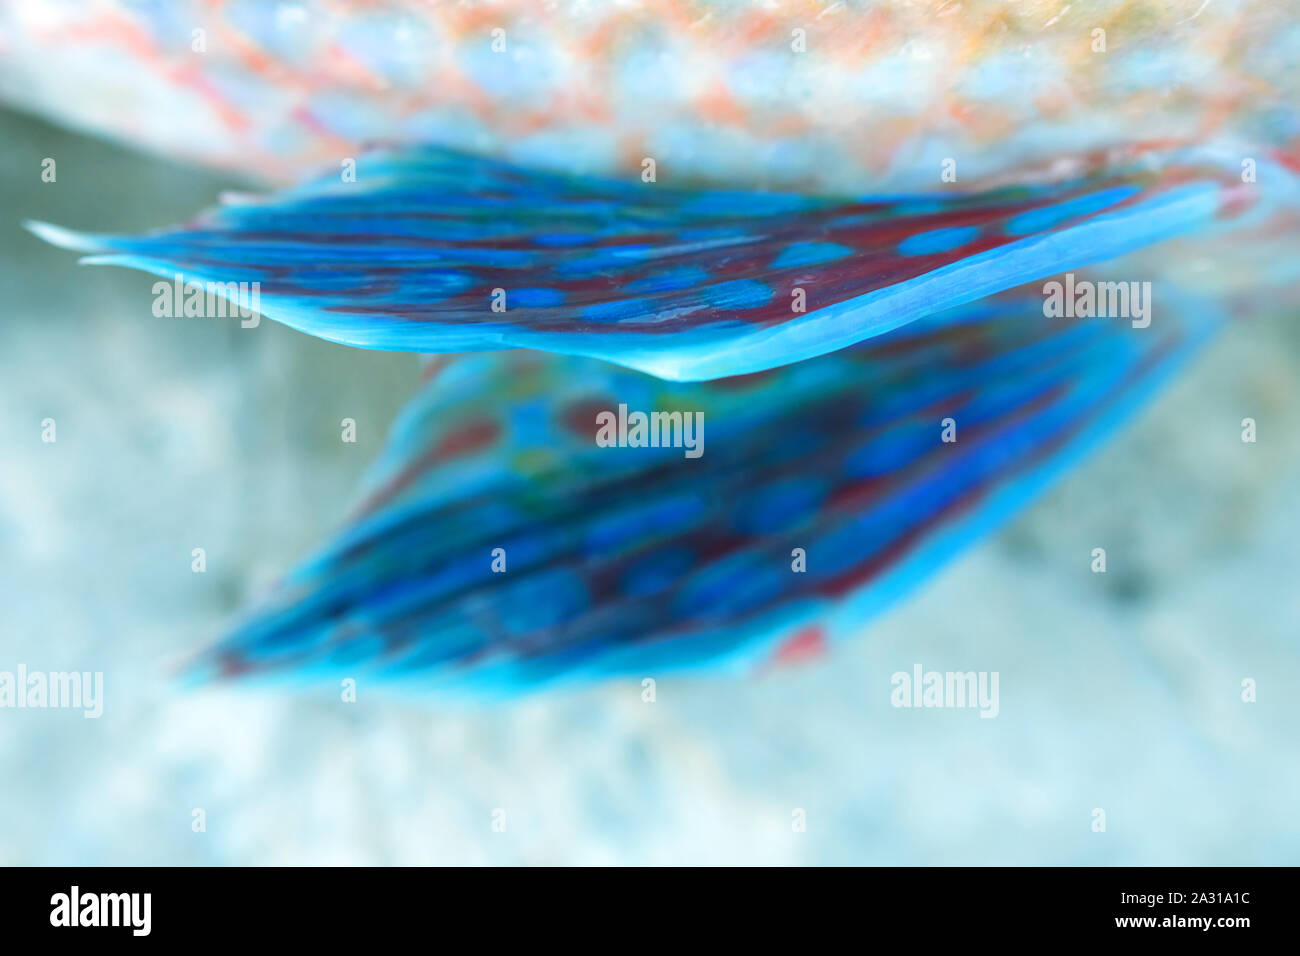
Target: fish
430	250
826	97
740	320
500	548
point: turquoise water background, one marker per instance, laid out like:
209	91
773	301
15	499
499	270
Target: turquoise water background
1118	691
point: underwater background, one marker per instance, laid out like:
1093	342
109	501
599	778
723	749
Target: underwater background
1119	691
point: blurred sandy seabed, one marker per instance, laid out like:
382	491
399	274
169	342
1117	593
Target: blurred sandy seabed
1119	691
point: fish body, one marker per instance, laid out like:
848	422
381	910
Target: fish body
825	97
768	310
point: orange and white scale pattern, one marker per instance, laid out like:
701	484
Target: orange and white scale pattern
830	96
